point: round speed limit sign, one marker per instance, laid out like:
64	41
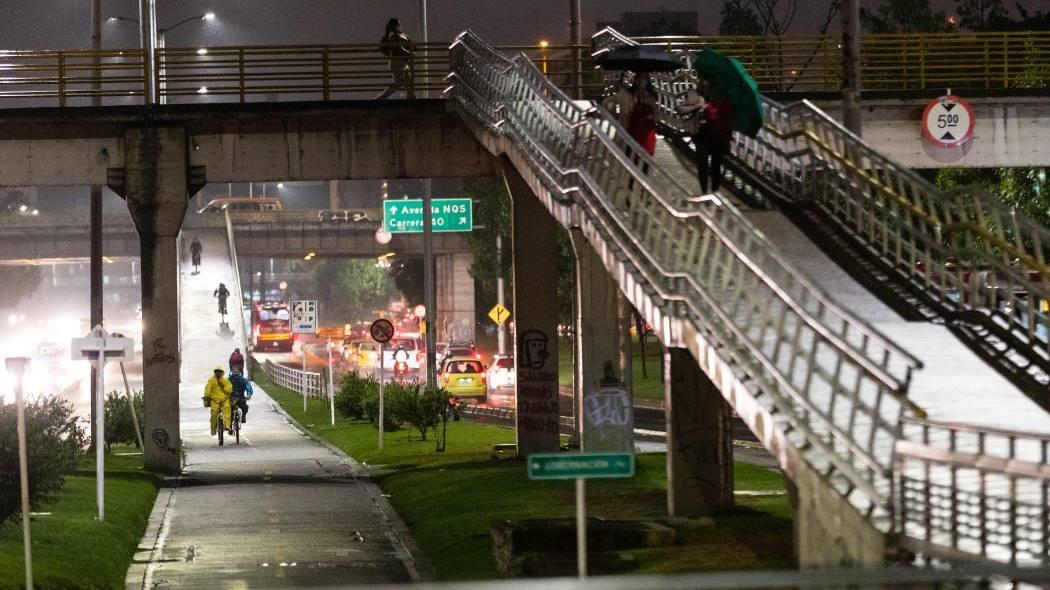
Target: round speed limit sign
948	121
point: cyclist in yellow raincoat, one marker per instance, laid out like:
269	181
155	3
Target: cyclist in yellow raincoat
218	390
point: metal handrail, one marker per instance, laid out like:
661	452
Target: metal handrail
292	379
237	293
941	242
960	59
695	257
241	73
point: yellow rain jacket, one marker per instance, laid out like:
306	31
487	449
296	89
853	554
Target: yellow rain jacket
219	390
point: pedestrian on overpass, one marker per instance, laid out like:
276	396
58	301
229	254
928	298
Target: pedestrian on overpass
399	48
714	133
218	392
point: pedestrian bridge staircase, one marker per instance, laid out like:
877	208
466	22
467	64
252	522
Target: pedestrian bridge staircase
825	391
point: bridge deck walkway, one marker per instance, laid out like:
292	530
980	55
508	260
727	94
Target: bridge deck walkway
954	385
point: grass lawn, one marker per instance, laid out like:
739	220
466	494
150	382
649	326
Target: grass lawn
70	548
449	500
649	387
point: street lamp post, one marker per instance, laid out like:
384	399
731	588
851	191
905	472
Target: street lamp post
15	369
157	39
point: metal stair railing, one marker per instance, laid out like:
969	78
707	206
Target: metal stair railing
975	491
964	251
960	491
831	377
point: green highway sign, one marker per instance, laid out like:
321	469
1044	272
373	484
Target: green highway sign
406	215
580	465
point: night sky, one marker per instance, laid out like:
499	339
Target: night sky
65	24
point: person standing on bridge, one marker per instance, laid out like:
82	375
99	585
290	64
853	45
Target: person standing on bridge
641	122
222	293
399	48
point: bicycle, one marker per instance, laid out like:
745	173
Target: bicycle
221	428
235	417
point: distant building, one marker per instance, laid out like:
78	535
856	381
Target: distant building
653	24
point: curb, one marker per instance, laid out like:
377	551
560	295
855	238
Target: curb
417	564
151	543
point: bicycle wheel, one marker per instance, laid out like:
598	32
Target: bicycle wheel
222	427
237	426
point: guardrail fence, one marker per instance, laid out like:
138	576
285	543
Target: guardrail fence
289	378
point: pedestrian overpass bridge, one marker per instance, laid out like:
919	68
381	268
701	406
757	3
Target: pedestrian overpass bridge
823	296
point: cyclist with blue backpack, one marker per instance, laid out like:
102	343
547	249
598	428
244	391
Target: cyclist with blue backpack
242	392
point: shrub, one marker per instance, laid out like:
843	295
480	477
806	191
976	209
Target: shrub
421	408
371	407
54	444
119	426
353	391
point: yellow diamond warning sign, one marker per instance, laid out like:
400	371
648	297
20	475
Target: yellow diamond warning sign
499	314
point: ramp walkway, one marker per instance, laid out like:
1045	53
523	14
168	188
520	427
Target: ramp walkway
276	510
825	390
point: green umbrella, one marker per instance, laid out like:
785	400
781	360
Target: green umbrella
730	80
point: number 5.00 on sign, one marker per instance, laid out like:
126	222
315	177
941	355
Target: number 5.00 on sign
948	121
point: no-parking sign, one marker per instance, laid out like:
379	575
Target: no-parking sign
948	121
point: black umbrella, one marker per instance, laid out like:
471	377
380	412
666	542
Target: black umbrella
639	58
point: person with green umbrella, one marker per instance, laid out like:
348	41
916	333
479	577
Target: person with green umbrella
714	132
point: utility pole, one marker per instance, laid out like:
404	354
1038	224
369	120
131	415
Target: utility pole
851	74
575	40
96	208
148	32
501	335
429	287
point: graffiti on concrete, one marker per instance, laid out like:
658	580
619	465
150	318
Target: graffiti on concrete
160	355
162	440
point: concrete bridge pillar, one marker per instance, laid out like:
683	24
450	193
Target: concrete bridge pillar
534	242
455	297
604	402
156	192
699	439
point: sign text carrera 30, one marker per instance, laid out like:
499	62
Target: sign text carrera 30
448	215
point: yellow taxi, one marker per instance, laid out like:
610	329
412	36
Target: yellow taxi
464	376
367	355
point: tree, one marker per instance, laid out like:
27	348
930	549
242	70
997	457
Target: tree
351	289
1031	21
408	278
982	15
1022	188
904	16
738	19
491	219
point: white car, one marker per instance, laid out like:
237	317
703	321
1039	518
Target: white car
501	373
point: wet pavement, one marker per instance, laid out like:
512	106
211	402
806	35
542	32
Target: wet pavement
273	511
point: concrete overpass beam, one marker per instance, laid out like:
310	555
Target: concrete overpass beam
455	291
604	403
699	439
156	181
534	234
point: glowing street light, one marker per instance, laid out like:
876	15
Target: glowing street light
383	236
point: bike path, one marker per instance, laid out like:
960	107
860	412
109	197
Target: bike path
276	510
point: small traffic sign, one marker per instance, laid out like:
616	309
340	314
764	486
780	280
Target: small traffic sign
116	347
381	330
499	314
448	215
580	465
948	121
304	316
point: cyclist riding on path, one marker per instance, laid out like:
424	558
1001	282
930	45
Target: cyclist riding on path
222	293
236	362
195	253
242	392
218	390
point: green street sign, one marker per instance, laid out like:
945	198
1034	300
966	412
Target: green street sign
449	215
580	465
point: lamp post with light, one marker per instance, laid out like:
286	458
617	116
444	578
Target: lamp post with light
16	369
159	41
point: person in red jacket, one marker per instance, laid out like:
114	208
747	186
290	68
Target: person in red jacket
641	122
237	361
713	136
